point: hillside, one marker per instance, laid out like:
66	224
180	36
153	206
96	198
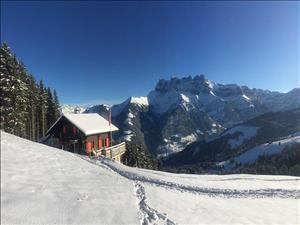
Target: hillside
45	185
240	139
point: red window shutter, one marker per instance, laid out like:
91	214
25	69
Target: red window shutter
107	142
64	130
100	142
88	147
74	130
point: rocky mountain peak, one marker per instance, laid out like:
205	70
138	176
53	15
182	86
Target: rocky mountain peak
194	85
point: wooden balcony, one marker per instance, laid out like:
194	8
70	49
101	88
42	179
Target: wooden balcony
113	152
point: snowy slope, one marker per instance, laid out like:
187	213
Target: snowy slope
139	101
44	185
252	155
243	133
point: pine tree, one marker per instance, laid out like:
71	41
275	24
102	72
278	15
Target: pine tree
41	111
56	105
51	110
6	83
137	156
32	107
27	108
13	93
20	99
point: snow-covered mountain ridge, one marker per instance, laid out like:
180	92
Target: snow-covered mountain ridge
45	185
67	109
190	107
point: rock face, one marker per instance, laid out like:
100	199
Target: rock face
183	110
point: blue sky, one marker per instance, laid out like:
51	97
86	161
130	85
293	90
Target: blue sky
103	52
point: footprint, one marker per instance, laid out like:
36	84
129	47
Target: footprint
82	197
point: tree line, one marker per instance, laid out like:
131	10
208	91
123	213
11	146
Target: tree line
28	108
137	156
286	162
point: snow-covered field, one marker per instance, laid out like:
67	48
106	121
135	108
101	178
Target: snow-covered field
44	185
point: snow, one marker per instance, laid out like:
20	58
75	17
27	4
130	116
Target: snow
253	154
185	98
246	97
117	109
216	199
44	185
67	109
130	115
128	135
142	101
175	143
210	84
129	118
162	102
212	93
245	133
89	123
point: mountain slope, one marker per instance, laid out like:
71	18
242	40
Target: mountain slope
252	155
44	185
263	129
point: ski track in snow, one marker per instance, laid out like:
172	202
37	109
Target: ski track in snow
211	192
148	215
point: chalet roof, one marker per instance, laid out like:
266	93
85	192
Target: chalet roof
88	123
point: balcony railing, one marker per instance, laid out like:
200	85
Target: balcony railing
113	151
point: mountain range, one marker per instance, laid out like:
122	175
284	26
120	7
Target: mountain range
180	111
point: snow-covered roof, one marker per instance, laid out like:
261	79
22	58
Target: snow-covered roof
89	123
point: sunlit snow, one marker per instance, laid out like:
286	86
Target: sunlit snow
44	185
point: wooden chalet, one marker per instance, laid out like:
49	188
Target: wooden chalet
87	133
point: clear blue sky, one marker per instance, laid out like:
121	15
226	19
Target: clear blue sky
103	52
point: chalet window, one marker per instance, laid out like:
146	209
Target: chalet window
64	130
